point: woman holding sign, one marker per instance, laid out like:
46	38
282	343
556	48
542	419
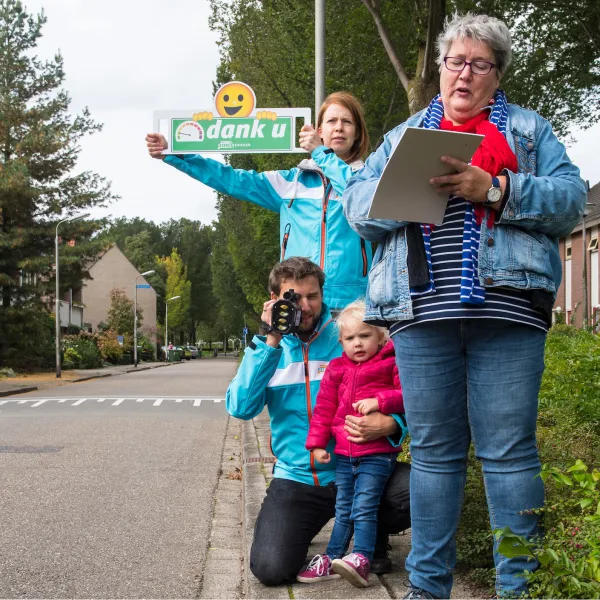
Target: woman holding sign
307	198
469	335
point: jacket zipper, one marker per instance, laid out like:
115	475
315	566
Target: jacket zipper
363	251
286	237
350	401
324	221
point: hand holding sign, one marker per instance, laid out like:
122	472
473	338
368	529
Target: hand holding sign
309	138
156	143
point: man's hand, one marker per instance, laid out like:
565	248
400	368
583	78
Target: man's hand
366	406
321	455
309	138
273	338
156	143
370	427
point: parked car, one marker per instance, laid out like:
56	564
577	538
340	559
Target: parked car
194	351
185	352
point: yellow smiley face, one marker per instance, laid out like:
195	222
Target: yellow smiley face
235	99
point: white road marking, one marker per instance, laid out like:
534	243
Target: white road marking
80	401
117	402
101	399
197	401
179	400
158	402
139	400
38	403
22	401
3	402
62	400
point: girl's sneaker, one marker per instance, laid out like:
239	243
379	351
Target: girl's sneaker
319	569
355	568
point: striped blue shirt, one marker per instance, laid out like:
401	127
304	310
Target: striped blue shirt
446	247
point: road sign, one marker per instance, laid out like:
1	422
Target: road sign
245	331
143	285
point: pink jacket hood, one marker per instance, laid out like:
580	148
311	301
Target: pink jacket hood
346	382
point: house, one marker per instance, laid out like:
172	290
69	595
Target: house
111	270
578	296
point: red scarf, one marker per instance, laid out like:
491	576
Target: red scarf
493	155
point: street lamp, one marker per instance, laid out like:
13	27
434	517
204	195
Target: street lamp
135	357
167	320
57	307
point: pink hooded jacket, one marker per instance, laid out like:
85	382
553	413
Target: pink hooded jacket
346	382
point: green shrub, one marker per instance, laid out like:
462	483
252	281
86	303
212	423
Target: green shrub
569	554
71	359
86	349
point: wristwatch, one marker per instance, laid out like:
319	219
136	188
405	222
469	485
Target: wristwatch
494	193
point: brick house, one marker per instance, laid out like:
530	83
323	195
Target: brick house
574	251
110	270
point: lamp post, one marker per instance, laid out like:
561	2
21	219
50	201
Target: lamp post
135	356
57	305
167	320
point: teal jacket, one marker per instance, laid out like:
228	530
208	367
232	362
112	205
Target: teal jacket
312	223
286	380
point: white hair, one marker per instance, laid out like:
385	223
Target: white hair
481	28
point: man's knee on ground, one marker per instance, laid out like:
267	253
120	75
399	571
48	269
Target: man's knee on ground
271	569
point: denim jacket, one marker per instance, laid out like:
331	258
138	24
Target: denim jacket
546	201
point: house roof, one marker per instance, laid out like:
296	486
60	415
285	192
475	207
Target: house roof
594	199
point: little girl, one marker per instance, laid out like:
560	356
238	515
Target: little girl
363	380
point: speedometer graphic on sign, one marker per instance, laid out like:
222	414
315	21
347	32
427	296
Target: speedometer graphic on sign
189	131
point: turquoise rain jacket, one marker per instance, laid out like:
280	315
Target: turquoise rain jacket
311	218
286	379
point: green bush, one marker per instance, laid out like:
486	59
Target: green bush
86	350
569	554
109	347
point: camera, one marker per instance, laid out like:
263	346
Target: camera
286	314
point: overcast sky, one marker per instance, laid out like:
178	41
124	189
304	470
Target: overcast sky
125	58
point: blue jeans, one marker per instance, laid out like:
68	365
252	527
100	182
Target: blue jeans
360	483
470	380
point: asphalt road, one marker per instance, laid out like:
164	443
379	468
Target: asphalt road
105	492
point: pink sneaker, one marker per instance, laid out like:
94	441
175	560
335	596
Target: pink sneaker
319	569
355	568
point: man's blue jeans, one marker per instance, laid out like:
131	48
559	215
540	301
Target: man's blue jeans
470	380
360	483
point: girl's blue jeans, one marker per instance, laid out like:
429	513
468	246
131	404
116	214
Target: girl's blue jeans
360	483
470	380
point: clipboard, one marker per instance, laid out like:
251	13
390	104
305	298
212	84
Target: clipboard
403	192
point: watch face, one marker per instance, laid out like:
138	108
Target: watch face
493	195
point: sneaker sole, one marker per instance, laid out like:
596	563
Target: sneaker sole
348	573
317	579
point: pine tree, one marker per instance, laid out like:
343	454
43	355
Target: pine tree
39	147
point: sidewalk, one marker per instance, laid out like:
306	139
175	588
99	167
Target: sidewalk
41	381
257	463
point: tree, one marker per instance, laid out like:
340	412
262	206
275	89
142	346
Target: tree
39	146
177	284
120	313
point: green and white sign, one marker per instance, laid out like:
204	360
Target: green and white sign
233	135
237	126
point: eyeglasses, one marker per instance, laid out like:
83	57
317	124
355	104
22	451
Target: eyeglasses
478	67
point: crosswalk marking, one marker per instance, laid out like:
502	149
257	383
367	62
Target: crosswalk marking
36	402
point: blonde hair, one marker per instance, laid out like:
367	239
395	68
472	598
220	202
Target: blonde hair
356	310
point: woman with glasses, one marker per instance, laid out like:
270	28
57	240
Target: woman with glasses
468	303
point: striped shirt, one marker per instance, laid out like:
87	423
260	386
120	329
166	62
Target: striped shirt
446	247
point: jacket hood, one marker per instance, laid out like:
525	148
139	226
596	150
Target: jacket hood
308	164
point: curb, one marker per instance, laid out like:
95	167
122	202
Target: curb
34	388
23	390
